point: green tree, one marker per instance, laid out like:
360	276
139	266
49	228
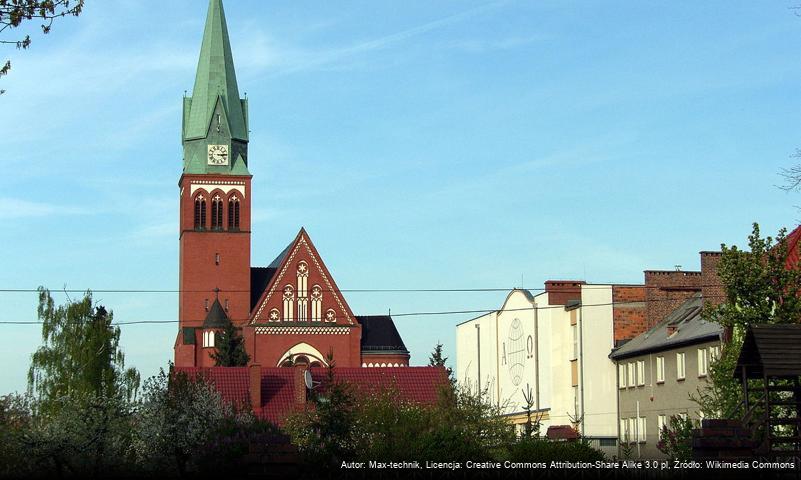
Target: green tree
15	13
230	348
177	418
80	355
437	359
760	288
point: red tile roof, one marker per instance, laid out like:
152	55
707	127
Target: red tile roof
562	432
414	384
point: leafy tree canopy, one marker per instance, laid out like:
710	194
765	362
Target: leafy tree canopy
80	355
760	288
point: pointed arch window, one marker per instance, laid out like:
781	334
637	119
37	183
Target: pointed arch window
316	303
200	212
216	212
233	213
303	301
288	303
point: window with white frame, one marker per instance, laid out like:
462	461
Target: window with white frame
661	424
632	437
303	293
660	369
289	304
621	375
208	339
680	367
714	353
641	429
640	373
624	430
632	382
702	362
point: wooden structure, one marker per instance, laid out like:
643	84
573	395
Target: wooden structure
769	368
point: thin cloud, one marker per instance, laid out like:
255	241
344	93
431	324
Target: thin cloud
19	208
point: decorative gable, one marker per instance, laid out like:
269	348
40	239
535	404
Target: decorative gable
302	291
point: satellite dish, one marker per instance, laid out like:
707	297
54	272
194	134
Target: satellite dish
308	379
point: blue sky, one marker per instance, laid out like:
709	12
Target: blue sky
422	145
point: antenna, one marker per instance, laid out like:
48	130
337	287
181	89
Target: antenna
308	379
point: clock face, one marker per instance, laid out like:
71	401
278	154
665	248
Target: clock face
218	154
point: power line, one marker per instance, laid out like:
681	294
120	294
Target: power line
593	286
418	314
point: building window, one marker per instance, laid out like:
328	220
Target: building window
216	212
680	370
641	429
632	433
208	339
621	375
632	382
661	424
303	302
233	213
714	353
200	212
316	303
289	303
640	373
624	431
660	369
702	362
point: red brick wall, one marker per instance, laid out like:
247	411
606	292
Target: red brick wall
711	288
628	313
665	290
561	291
268	349
199	273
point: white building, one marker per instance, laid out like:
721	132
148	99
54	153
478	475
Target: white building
556	345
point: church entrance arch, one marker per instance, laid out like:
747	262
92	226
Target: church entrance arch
302	354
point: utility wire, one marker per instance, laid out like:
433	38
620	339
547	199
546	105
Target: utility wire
418	314
594	286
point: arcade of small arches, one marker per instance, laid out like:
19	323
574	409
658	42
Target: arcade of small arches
218	208
370	365
302	354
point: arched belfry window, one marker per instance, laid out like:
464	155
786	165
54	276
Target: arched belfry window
200	212
233	213
303	294
216	212
316	303
289	304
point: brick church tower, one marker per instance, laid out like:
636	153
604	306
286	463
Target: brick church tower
215	194
289	312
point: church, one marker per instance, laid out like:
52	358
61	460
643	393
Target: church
290	312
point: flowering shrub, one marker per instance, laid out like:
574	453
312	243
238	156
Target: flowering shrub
675	439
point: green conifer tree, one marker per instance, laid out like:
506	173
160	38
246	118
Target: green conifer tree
230	348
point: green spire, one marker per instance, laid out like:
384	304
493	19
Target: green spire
215	114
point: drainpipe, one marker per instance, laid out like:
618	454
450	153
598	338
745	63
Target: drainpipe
478	349
536	358
581	363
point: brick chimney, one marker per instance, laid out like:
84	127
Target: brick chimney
628	313
254	374
665	290
711	286
561	291
299	393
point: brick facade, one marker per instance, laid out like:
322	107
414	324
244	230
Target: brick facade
562	291
711	286
629	318
665	290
